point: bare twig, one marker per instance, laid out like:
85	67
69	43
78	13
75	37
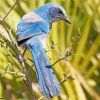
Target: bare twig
7	30
3	44
51	47
10	10
1	35
59	60
24	51
29	82
30	60
69	53
14	73
66	77
30	68
48	50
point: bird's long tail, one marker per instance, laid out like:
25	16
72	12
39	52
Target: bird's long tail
46	77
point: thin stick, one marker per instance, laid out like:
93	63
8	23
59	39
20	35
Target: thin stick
58	60
67	54
4	25
14	73
66	77
24	51
10	10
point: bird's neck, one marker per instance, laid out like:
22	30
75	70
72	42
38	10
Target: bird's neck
44	13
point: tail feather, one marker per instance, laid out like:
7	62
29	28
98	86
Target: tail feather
46	77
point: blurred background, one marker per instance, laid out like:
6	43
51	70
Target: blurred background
80	40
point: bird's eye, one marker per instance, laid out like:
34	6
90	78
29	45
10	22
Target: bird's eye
60	12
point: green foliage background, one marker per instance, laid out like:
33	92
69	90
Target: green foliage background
82	36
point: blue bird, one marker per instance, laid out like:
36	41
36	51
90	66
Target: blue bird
32	31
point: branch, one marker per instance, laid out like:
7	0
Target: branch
10	10
14	73
6	39
7	30
69	53
51	47
24	51
66	77
29	82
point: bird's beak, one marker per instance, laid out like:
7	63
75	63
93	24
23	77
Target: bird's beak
67	20
64	18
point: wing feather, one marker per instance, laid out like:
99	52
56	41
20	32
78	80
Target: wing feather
31	25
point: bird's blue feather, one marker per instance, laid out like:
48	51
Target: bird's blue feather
46	77
25	30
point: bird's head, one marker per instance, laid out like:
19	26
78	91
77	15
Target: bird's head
53	12
58	13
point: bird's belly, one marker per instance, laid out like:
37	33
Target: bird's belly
42	39
38	39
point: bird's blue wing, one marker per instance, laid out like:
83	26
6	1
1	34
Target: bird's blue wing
31	25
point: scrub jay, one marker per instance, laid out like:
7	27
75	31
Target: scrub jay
32	31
